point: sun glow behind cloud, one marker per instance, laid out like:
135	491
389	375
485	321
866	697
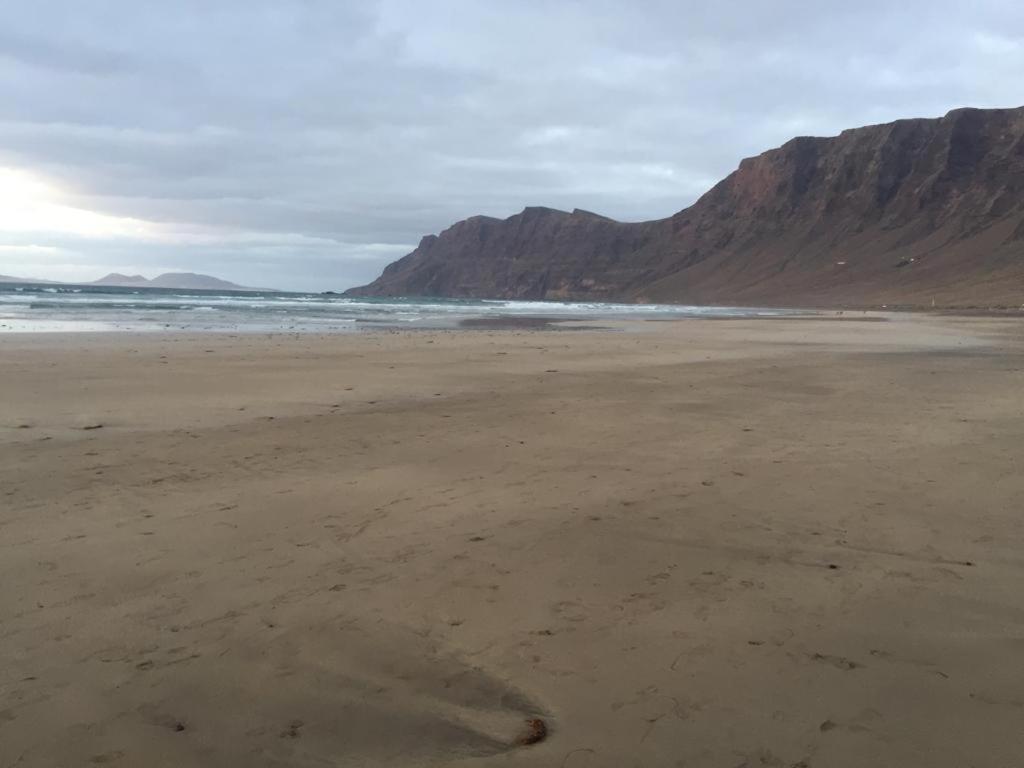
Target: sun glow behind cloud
30	204
43	236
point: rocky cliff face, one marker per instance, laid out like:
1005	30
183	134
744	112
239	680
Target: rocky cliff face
909	212
537	253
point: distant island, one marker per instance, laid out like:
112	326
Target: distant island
178	280
185	280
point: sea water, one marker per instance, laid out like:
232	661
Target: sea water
31	308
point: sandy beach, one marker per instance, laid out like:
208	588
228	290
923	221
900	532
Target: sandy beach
692	543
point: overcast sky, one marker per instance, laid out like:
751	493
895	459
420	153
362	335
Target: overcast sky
305	144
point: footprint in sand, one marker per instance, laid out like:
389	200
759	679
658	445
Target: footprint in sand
839	662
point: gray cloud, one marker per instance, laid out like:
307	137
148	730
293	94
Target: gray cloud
312	142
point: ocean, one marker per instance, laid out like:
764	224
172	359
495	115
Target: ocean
39	308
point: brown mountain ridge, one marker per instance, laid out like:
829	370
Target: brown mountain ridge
913	212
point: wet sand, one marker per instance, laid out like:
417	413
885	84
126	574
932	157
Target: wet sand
701	543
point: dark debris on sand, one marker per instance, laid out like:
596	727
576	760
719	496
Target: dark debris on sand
536	731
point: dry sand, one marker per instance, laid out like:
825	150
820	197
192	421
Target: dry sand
742	543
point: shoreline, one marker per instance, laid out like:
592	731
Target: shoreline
495	322
498	321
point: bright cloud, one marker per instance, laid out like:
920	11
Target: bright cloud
29	204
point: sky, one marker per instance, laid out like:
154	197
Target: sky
305	144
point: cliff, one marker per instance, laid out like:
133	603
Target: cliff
908	212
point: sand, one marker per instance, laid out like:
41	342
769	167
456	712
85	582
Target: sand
742	543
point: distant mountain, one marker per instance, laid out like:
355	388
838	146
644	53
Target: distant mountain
116	278
911	212
180	280
188	281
